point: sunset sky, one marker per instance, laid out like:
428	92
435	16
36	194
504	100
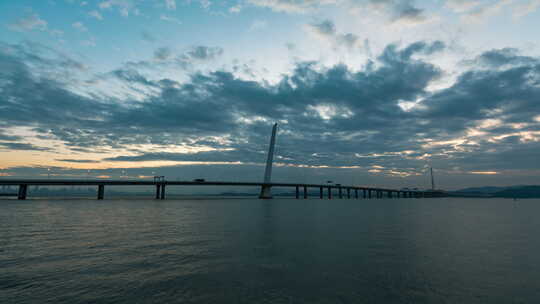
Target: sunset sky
370	92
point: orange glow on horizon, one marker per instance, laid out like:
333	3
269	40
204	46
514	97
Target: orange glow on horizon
484	172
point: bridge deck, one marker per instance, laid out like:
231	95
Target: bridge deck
62	182
161	185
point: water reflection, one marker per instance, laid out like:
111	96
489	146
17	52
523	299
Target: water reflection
252	251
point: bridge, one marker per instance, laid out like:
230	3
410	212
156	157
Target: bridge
301	190
324	190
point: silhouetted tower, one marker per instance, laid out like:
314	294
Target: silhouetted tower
265	189
432	179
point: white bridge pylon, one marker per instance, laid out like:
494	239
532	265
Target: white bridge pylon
266	190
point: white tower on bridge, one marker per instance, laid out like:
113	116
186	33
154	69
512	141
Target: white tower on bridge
266	189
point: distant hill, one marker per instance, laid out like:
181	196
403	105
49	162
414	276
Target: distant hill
529	191
484	190
520	192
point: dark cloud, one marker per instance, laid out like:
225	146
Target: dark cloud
327	30
509	93
4	137
204	52
325	27
504	57
21	146
79	161
162	53
186	59
398	10
328	116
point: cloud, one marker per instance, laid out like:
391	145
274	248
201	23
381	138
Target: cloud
170	4
162	53
235	9
326	30
204	52
461	6
292	6
29	23
80	26
18	146
526	8
329	116
481	13
403	12
170	19
79	161
503	58
478	11
219	103
95	14
124	6
165	57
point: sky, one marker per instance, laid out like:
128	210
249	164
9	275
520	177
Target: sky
365	92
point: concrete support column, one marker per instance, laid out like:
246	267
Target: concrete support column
364	194
369	193
305	192
340	192
23	189
389	194
163	191
158	191
321	194
297	192
101	192
349	193
356	193
329	192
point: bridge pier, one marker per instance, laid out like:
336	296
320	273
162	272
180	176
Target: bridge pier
389	194
349	193
305	192
340	192
356	193
297	192
321	194
23	190
369	191
329	192
163	191
101	192
158	191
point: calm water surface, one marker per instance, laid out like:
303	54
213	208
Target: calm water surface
279	251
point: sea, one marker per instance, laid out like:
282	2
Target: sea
243	250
